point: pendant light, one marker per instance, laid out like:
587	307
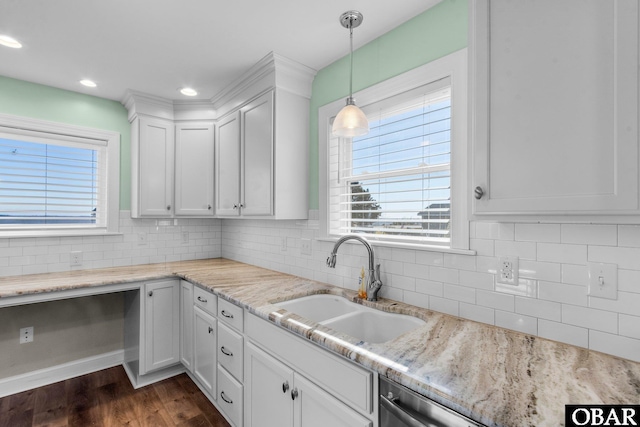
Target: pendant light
350	121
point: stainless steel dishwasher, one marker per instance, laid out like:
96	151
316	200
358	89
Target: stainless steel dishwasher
401	407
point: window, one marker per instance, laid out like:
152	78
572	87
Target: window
57	179
396	184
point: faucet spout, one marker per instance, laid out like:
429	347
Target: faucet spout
373	281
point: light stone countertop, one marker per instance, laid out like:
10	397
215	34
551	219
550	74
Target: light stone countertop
493	375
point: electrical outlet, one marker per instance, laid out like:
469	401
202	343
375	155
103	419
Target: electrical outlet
603	280
26	335
283	243
508	270
305	247
142	239
185	237
76	258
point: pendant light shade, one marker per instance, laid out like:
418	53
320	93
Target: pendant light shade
350	121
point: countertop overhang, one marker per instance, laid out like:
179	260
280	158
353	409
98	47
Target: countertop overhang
493	375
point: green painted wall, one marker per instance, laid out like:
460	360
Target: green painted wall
431	35
26	99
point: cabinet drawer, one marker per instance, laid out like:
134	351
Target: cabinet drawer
230	314
230	396
205	300
230	350
346	381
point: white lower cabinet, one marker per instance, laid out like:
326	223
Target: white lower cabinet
290	382
276	395
230	398
161	325
186	324
204	340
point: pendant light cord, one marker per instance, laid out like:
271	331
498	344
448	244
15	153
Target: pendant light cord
351	60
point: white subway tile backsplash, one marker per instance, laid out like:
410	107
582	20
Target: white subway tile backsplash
562	253
477	313
495	300
629	235
523	250
476	279
517	322
417	299
548	271
440	274
483	247
629	326
617	345
590	318
629	281
575	274
627	258
429	287
538	233
563	293
562	332
460	262
628	303
444	305
589	234
460	293
539	308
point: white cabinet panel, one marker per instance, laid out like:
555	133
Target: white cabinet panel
204	361
161	325
186	324
194	169
268	385
230	350
228	165
315	407
230	397
257	169
152	162
555	106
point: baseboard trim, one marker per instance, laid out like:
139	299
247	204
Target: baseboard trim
53	374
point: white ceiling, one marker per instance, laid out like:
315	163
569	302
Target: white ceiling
159	46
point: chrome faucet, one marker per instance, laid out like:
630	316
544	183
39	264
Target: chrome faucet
373	281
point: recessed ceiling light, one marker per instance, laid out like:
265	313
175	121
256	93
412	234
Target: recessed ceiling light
10	42
88	83
188	91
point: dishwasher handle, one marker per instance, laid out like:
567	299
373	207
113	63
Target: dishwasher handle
398	412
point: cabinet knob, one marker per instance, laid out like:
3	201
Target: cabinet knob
209	207
294	393
226	399
168	207
478	192
235	206
201	299
285	386
150	293
226	352
241	205
210	329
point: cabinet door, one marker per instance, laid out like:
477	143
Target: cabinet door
161	325
194	169
186	324
555	106
257	137
228	165
204	357
267	390
155	167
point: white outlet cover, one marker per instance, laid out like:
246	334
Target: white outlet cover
507	271
305	247
603	280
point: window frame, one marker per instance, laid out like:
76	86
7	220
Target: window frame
452	66
24	127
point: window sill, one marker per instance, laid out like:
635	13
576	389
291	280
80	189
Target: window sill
413	246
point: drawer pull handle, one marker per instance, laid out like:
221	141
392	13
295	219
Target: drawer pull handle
222	396
285	386
294	394
201	299
210	329
227	315
225	351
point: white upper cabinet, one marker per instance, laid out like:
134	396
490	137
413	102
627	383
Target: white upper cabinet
152	145
228	170
263	141
554	108
194	169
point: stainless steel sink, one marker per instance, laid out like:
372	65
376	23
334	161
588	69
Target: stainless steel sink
360	322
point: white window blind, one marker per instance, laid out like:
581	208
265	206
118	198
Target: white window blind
395	182
52	182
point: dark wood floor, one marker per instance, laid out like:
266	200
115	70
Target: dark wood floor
106	398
